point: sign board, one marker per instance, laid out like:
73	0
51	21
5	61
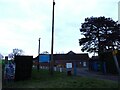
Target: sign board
84	64
68	65
44	58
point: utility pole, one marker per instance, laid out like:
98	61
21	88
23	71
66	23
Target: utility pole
52	42
38	66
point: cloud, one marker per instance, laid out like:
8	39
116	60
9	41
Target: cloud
20	34
22	22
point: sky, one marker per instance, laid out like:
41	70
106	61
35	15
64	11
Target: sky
23	22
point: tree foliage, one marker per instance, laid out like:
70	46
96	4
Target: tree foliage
1	56
45	52
100	34
15	52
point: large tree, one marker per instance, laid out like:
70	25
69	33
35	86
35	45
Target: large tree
15	52
100	34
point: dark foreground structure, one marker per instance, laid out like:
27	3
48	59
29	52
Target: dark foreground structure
23	67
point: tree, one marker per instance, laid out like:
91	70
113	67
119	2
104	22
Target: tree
1	56
16	52
45	52
100	34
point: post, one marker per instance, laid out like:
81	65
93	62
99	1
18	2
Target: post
38	66
75	68
52	42
116	61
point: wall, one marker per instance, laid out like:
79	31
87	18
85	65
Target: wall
63	63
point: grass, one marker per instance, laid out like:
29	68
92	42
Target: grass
42	79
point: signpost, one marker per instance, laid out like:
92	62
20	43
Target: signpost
69	67
75	69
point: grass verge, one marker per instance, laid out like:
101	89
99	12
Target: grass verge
42	79
0	61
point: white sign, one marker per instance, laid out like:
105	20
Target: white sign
68	65
84	64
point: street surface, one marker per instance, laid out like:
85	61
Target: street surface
86	73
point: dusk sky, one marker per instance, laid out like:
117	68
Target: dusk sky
22	22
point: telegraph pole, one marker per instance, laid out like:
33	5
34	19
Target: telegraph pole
38	66
52	42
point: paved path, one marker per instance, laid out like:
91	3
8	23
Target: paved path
84	72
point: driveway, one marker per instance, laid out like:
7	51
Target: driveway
86	73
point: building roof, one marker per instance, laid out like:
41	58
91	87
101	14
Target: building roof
69	56
71	52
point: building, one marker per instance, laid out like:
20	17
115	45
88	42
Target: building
79	59
94	62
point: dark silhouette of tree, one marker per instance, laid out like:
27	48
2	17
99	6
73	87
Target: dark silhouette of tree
100	35
16	52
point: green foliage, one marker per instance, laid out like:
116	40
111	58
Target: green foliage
100	34
15	52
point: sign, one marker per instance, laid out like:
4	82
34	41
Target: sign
68	65
44	58
84	64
